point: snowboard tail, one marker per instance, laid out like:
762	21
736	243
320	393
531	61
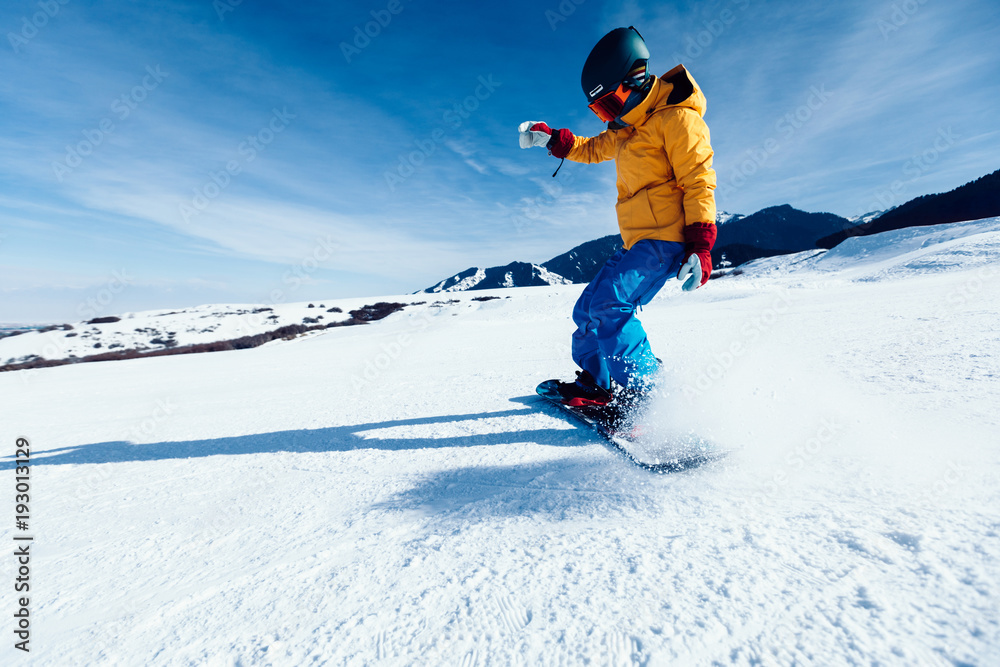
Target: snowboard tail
619	432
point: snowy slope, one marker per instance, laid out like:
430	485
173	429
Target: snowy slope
394	493
896	254
156	330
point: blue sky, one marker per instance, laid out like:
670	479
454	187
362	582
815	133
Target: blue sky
170	153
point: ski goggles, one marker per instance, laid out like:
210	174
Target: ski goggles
608	107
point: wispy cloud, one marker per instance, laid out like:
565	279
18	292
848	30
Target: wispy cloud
469	196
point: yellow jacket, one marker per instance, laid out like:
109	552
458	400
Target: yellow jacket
663	159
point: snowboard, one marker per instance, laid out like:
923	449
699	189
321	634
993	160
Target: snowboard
622	434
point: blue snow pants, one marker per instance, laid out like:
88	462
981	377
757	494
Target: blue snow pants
609	341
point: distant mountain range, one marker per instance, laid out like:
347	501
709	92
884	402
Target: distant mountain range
777	230
972	201
579	265
515	274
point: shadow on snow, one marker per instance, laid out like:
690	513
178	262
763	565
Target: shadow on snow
331	439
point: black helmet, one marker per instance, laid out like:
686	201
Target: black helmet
618	54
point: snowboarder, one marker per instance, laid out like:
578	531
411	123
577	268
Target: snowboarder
666	210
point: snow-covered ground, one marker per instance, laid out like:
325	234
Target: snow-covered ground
395	494
161	329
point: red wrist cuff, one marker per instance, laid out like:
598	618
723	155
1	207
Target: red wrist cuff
561	143
700	236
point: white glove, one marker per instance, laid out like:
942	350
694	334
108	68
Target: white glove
690	273
529	138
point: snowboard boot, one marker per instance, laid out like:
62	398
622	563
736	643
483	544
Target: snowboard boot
584	392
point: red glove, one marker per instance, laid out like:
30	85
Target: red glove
699	238
559	142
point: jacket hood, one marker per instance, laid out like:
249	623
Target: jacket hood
676	88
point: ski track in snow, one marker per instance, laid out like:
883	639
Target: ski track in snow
395	494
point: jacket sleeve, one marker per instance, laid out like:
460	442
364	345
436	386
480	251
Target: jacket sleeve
594	149
689	151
